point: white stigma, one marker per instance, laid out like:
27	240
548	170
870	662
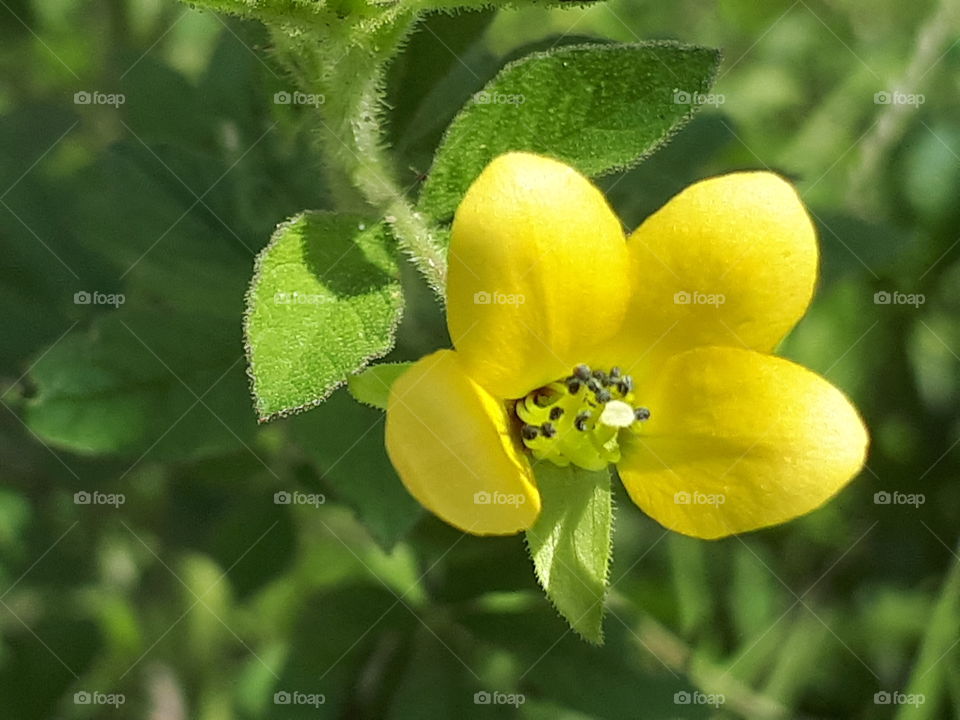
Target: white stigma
617	413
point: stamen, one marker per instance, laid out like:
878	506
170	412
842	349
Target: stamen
544	397
581	422
582	372
565	426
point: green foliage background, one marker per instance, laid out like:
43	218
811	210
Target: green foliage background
200	597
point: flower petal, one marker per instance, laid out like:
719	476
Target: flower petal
729	261
451	444
738	440
537	273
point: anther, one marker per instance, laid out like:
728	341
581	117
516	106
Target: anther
599	404
544	397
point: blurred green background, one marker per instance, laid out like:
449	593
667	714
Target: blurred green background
201	597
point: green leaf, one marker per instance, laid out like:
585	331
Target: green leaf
571	543
372	386
135	383
557	666
937	654
597	107
324	301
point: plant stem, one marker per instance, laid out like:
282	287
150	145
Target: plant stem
349	67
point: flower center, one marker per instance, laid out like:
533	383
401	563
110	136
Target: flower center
578	419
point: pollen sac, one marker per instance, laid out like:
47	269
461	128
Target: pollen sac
565	425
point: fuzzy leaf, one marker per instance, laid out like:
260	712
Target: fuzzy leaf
138	382
597	107
324	301
372	386
570	544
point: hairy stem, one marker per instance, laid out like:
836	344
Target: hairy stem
348	68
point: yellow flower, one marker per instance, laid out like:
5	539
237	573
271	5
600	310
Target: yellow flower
577	345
